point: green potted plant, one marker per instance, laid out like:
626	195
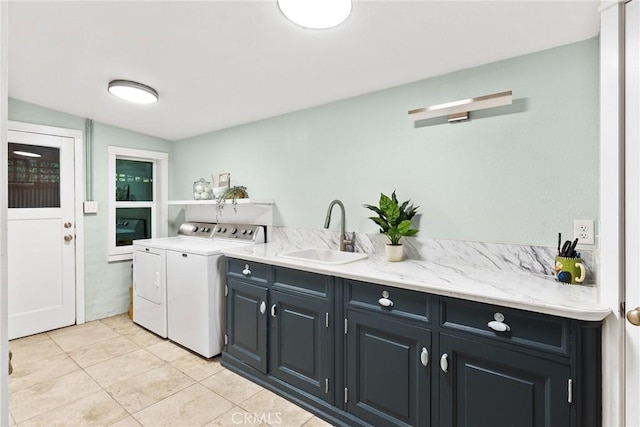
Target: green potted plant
233	194
394	220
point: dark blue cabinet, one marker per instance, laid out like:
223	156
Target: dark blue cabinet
362	354
301	343
388	370
247	323
482	385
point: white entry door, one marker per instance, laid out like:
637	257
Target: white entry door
40	233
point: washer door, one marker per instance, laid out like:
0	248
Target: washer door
148	274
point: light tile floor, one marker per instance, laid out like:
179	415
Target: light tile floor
112	372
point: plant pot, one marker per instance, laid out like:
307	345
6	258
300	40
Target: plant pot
394	252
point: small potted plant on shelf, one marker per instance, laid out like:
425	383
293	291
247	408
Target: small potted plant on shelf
394	220
233	193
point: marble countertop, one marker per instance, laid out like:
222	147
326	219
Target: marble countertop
522	288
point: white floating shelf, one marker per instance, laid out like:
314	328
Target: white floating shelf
457	110
227	202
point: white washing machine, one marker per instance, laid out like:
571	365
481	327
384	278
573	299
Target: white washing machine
178	283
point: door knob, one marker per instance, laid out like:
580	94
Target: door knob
68	237
633	316
67	225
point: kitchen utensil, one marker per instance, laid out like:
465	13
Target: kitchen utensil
572	251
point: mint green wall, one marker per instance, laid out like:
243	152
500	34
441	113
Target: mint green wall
519	176
106	284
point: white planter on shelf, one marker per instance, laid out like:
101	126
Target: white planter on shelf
394	252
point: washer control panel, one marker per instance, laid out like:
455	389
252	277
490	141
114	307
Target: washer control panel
243	232
206	230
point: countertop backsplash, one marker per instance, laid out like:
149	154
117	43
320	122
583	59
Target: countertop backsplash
538	260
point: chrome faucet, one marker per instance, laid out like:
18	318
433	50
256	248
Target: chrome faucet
345	244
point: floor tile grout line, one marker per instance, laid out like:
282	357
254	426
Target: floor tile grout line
117	323
79	368
103	387
166	363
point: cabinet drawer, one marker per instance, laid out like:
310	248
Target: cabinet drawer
249	270
543	332
302	282
405	303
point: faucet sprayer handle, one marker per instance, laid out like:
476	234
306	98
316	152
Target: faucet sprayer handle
350	245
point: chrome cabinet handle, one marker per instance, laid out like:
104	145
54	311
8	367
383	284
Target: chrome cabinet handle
444	363
246	270
273	310
497	324
263	307
385	302
424	356
68	237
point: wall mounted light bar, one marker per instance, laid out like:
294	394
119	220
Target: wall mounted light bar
459	110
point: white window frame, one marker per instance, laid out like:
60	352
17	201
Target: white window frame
159	210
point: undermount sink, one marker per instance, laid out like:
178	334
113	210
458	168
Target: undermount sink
324	256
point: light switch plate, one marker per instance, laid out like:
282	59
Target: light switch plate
90	206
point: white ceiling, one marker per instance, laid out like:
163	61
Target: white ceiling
218	64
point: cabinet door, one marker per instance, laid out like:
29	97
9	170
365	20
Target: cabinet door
488	386
388	370
247	323
300	343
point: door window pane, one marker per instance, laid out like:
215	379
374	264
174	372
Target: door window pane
33	176
134	181
132	224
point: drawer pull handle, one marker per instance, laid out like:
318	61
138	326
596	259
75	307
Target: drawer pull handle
246	270
263	307
273	310
385	302
498	326
444	363
424	356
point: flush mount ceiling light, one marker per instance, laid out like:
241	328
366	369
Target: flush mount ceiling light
133	91
316	14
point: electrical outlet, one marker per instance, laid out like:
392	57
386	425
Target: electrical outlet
583	230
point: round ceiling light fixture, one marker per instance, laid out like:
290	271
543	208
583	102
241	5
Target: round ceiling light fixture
316	14
133	91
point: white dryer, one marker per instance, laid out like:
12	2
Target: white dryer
179	283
